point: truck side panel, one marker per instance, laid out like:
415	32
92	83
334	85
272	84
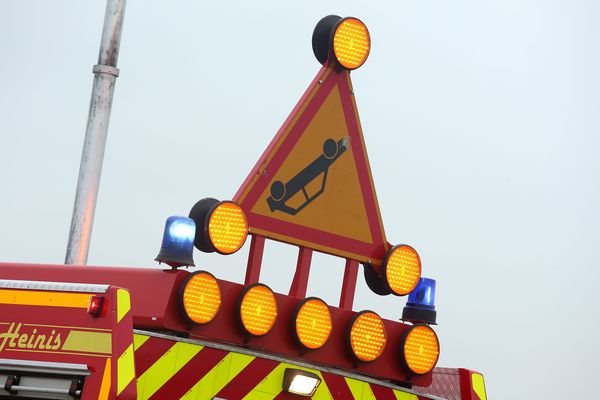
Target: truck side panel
49	339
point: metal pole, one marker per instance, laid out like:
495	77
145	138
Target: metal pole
105	76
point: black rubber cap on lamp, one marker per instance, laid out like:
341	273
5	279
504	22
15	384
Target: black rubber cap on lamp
321	38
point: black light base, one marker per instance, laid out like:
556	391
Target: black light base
419	314
375	282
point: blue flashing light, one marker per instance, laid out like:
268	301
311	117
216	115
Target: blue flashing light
178	242
420	306
423	295
181	229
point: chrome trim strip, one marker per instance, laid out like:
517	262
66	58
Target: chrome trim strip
44	367
53	286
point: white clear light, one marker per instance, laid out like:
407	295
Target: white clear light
182	230
303	385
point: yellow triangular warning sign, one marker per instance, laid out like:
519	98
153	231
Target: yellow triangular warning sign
313	187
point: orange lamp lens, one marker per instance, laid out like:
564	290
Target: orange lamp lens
227	228
258	309
421	349
313	323
367	336
201	297
351	43
403	270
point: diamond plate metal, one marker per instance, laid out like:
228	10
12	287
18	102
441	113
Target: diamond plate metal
446	384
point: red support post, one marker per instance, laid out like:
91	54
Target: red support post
349	284
257	247
300	282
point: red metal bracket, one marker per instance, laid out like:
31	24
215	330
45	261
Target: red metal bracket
257	247
349	284
300	282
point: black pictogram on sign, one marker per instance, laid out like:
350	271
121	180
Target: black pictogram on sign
282	192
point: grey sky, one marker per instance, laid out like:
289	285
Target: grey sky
481	119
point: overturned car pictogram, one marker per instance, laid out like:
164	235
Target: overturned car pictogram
281	192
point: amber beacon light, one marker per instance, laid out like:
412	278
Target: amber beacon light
343	40
221	226
421	349
367	336
402	269
257	309
351	43
200	297
312	324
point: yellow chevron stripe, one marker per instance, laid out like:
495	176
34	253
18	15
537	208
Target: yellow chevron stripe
123	304
125	369
165	368
216	379
404	396
355	387
105	387
271	386
478	385
226	371
139	340
360	390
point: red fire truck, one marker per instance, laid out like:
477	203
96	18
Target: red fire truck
83	332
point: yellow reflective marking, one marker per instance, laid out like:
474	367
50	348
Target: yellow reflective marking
478	386
355	387
123	304
360	390
105	387
165	368
48	299
89	342
216	379
404	396
125	369
139	340
271	385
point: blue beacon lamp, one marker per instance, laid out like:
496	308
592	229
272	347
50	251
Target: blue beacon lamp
178	242
420	306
